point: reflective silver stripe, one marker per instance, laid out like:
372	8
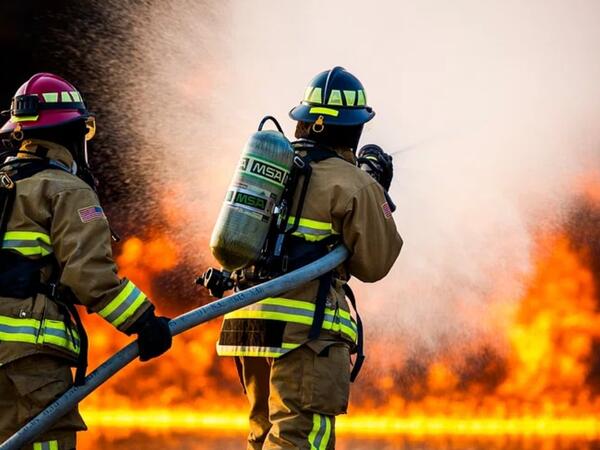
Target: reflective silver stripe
313	231
124	305
249	350
321	432
26	243
62	334
33	331
281	309
18	329
17	244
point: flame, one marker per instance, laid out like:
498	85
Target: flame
538	386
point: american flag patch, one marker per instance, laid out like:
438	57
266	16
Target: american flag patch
387	212
90	213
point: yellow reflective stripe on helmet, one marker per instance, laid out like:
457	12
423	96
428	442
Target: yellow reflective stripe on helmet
124	305
362	99
50	97
65	97
350	97
307	93
326	111
315	96
33	331
28	243
15	119
320	432
335	98
76	96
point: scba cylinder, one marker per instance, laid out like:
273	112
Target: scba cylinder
255	190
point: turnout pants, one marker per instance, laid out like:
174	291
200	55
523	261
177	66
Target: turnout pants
27	386
294	398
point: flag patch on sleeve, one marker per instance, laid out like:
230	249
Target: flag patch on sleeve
91	213
387	212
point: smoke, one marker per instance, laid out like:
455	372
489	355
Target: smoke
490	108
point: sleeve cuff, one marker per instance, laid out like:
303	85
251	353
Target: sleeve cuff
126	307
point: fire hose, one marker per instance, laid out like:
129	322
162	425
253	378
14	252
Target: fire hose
111	366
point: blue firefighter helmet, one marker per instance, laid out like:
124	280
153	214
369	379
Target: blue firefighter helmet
337	96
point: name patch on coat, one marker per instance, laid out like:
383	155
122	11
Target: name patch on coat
387	211
91	213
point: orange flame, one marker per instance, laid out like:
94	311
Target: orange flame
539	386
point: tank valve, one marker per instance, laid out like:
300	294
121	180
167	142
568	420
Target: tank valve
216	281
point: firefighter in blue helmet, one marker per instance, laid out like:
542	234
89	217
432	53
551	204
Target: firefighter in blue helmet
293	351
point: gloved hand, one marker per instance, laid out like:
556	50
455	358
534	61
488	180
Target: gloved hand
377	163
154	336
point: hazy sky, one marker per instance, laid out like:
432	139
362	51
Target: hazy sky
496	104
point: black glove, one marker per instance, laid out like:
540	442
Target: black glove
154	336
377	163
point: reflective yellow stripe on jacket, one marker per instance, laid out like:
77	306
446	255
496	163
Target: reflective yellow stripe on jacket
248	350
124	305
33	331
28	243
46	445
297	311
312	230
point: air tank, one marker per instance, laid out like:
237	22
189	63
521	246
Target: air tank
256	188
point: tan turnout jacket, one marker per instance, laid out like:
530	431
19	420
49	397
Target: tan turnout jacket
57	213
342	200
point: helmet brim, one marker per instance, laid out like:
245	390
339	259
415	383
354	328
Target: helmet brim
45	119
338	116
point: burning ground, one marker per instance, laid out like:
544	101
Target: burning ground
543	378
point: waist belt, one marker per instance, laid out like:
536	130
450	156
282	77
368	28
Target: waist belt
20	278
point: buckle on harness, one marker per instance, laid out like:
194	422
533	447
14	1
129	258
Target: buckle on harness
284	263
299	162
5	181
53	290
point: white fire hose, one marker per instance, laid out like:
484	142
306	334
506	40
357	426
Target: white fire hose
74	395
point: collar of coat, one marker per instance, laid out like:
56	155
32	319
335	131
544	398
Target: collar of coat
30	148
347	154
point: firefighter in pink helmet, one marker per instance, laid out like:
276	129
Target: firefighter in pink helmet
56	253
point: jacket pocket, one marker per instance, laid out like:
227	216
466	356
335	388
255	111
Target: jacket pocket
38	380
326	380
